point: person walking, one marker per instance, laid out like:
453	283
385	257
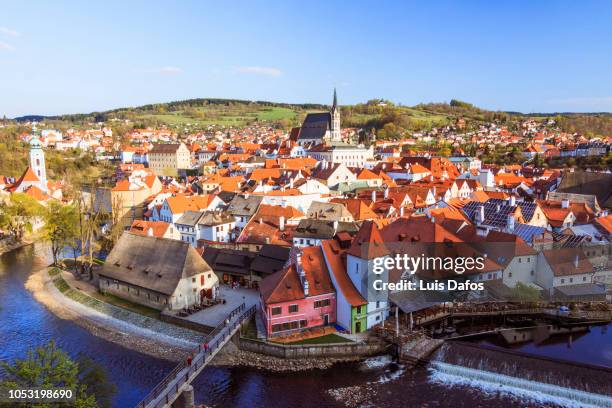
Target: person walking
189	359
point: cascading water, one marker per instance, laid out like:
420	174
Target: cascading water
540	379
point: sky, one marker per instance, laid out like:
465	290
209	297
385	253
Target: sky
59	57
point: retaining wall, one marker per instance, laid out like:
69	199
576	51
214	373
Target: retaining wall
311	350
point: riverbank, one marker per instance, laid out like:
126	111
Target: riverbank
233	356
41	285
9	244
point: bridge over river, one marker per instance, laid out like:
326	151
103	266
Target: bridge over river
172	386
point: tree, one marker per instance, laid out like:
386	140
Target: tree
47	367
96	382
524	293
61	226
18	214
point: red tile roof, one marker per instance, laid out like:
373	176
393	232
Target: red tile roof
285	285
334	255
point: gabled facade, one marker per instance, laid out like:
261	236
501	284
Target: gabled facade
300	296
365	248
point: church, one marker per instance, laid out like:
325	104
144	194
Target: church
321	127
34	181
321	138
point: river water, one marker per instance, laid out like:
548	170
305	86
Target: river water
25	324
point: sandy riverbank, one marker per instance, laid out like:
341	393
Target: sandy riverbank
116	331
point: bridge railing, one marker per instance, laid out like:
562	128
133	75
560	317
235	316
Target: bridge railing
201	356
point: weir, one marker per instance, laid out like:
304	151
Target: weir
464	362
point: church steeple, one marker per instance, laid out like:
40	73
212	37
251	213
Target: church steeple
335	120
37	159
335	104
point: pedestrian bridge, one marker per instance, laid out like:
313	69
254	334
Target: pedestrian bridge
169	389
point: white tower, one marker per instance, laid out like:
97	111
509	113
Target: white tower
37	161
335	120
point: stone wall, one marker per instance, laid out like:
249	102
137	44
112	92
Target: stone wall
169	318
311	350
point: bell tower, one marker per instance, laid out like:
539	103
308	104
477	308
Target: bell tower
37	160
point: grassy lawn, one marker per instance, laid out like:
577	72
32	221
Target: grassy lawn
327	339
61	284
275	114
224	116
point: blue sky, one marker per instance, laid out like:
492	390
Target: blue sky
532	56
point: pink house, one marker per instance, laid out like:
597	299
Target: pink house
300	296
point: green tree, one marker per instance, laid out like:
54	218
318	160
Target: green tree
61	226
525	293
18	214
96	382
47	367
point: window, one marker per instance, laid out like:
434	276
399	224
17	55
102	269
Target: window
377	304
584	278
303	323
562	280
571	280
509	274
193	280
358	309
520	260
293	308
532	273
528	259
277	310
322	303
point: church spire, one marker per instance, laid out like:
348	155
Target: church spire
335	133
335	104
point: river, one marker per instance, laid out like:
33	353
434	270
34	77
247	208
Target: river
26	324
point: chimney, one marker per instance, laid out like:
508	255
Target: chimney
480	215
335	226
401	211
386	193
291	183
260	220
576	259
565	203
374	195
305	287
510	222
512	200
497	207
150	232
281	223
